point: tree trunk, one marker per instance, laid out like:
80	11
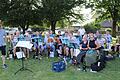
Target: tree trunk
23	28
114	28
53	25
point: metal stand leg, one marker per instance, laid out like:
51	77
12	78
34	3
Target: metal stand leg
23	66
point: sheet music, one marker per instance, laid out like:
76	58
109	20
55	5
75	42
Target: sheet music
25	44
20	54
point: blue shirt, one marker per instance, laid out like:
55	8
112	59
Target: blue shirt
108	38
52	35
2	37
78	39
65	40
21	37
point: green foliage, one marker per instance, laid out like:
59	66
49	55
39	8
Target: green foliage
109	9
4	7
63	23
22	13
37	28
92	27
56	10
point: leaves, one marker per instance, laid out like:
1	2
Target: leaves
30	12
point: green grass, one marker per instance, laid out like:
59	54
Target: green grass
42	71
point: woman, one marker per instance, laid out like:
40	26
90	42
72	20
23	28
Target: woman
84	43
72	45
81	56
58	46
93	43
91	54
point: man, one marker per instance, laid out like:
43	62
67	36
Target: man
2	44
82	31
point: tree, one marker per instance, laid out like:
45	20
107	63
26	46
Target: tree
92	27
56	10
4	6
23	13
109	9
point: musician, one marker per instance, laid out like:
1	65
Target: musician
65	42
27	38
108	39
38	43
78	38
93	44
49	43
72	45
83	50
15	41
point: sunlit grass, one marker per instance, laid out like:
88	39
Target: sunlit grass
42	71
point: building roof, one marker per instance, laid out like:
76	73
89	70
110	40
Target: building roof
107	23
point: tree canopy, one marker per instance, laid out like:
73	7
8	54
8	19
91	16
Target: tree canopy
56	10
20	13
109	9
23	13
4	6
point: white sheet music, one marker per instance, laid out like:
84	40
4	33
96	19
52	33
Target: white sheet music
25	44
20	54
76	52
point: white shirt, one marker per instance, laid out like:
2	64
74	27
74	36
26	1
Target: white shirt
101	41
82	31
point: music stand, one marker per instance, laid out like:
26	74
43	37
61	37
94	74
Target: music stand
21	54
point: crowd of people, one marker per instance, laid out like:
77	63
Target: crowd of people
59	45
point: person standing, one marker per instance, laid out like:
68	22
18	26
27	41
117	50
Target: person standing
2	44
82	31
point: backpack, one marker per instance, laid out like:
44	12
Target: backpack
58	66
98	66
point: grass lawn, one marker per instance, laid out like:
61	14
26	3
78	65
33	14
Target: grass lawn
42	71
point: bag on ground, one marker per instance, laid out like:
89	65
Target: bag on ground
98	66
58	66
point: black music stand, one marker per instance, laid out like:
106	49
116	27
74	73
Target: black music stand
22	60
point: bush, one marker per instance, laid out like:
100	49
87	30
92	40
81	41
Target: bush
90	28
